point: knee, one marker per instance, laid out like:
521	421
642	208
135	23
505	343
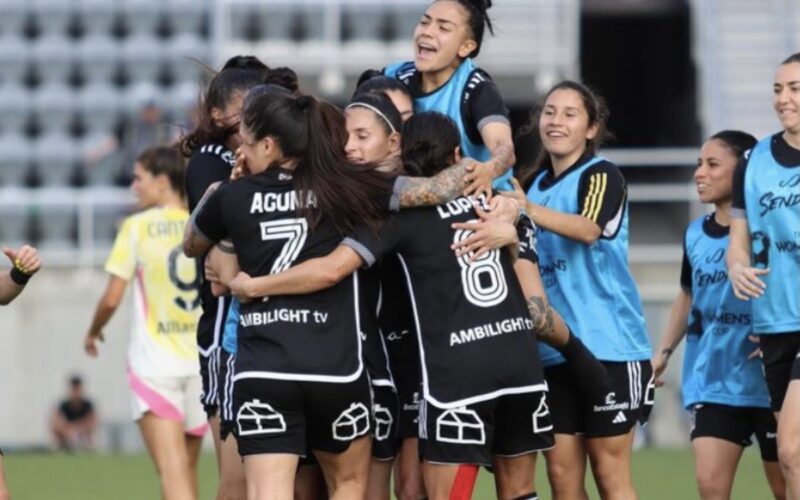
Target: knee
789	455
406	488
710	486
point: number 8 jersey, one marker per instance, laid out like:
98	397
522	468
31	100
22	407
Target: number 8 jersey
148	250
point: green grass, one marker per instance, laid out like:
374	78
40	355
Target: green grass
659	474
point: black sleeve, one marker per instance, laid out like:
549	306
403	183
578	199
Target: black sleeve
203	170
686	273
738	186
484	105
371	245
208	218
526	232
601	192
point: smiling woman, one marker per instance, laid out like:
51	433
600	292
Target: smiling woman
443	78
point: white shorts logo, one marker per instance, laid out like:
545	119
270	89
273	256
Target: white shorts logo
620	418
353	422
383	422
460	426
650	392
255	417
541	420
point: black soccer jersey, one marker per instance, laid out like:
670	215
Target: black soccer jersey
396	319
312	337
474	330
209	164
375	355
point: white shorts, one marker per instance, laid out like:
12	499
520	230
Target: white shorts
171	398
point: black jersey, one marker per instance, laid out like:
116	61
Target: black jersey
312	337
396	320
474	330
375	355
209	164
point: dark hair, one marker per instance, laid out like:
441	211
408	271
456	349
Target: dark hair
596	109
478	20
382	107
794	58
737	141
429	143
165	160
345	193
75	381
239	74
284	77
372	82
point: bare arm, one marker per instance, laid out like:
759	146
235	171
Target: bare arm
223	263
105	309
195	243
744	277
498	139
308	277
673	333
431	191
547	323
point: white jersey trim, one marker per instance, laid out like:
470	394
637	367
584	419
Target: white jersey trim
217	328
426	392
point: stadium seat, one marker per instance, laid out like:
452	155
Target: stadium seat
185	16
97	55
142	56
100	104
15	154
53	56
186	54
52	16
56	154
97	15
12	17
141	16
15	107
59	226
362	22
54	105
14	58
138	95
181	100
12	231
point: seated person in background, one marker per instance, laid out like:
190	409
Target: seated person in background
74	420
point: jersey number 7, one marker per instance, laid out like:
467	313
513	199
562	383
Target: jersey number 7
294	231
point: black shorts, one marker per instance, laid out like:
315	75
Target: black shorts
737	425
779	352
227	423
283	416
508	426
408	412
209	372
629	403
384	418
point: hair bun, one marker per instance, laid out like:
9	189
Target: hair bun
303	102
481	5
245	62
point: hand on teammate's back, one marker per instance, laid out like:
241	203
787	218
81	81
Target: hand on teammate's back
479	179
240	287
488	233
517	194
26	259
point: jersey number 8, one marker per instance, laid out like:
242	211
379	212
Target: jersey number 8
483	279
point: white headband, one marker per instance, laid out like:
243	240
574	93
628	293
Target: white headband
374	110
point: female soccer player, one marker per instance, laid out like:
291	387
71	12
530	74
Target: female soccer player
210	149
25	262
764	259
373	82
443	78
456	435
162	358
722	381
577	200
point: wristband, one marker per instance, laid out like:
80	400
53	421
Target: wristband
19	277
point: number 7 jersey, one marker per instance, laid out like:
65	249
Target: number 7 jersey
148	251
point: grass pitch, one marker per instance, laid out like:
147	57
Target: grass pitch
659	474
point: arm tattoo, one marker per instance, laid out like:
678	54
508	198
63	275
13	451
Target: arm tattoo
542	316
430	191
503	158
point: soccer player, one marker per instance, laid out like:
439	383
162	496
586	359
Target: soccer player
578	202
470	414
373	82
25	262
764	259
722	381
163	369
210	149
442	77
